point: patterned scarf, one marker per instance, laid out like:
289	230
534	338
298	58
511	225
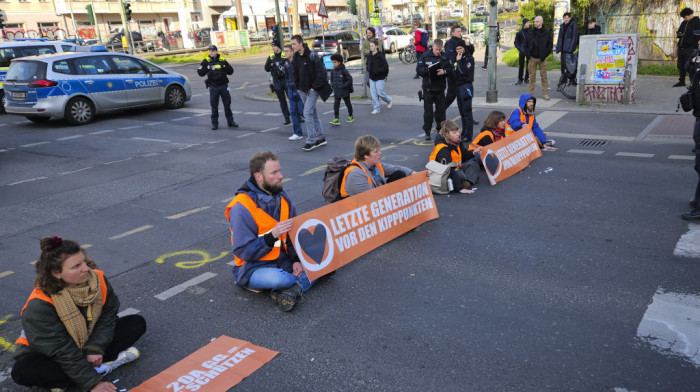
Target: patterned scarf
67	301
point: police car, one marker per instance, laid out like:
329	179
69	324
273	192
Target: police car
77	86
27	47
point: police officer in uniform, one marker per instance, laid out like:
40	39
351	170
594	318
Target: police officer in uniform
216	69
275	64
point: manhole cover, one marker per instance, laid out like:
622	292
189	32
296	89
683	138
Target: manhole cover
593	142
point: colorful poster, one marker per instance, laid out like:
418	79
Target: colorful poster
610	60
218	366
329	237
510	155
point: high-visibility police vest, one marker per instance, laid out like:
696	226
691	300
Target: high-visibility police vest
355	165
39	294
455	155
264	222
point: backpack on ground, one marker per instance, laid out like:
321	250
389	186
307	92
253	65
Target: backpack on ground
438	176
424	39
333	178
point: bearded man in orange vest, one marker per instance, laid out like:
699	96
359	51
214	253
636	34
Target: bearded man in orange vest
524	116
260	216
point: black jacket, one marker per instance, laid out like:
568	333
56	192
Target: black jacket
432	81
215	69
688	33
693	69
520	38
464	70
275	65
450	49
309	71
595	30
341	81
377	66
567	41
539	44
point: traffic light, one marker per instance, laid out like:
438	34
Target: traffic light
127	10
277	33
91	15
3	19
353	6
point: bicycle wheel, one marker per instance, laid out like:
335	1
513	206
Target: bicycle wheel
566	88
402	54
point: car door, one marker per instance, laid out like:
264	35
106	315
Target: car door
402	38
158	74
141	87
355	47
97	76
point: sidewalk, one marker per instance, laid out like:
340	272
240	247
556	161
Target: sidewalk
654	94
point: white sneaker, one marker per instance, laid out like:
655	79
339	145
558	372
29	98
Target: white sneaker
129	355
295	137
375	111
389	105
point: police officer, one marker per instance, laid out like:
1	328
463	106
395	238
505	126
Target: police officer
693	69
434	67
275	65
216	69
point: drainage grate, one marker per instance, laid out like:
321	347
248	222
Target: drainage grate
592	142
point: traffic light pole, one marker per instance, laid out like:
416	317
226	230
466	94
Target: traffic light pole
94	17
127	33
279	24
492	92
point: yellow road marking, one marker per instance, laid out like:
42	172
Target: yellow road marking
190	212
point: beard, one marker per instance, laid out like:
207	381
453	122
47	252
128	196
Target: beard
273	189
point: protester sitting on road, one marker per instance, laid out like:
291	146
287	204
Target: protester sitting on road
524	115
296	106
366	171
341	81
378	70
70	324
494	129
260	216
449	150
434	67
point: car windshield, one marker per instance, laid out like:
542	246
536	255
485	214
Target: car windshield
327	38
26	71
7	54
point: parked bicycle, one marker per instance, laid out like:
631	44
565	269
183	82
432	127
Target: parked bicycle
408	55
566	85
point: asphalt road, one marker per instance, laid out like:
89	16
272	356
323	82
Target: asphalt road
539	283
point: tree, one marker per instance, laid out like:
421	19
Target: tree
543	8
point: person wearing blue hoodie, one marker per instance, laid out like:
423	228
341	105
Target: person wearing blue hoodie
296	105
524	115
260	217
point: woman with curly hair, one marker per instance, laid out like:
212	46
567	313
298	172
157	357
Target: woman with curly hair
70	325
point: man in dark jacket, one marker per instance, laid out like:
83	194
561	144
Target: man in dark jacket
216	68
464	77
693	69
593	28
451	54
567	42
538	46
310	80
433	67
520	38
688	35
275	66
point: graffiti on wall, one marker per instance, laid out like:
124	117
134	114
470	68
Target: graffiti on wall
607	93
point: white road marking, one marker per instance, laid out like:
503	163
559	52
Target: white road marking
236	111
5	149
184	286
649	128
253	113
270	129
328	112
689	243
19	122
245	134
183	214
34	144
70	137
549	117
216	141
670	325
201	114
132	127
150	155
589	136
130	232
128	312
634	154
29	180
594	152
121	160
74	171
145	139
189	146
682	157
155	123
85	246
101	132
5	273
181	118
272	114
231	263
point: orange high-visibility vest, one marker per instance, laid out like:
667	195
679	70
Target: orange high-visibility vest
456	155
39	294
264	221
523	118
354	165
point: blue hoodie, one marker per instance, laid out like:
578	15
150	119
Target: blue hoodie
247	245
516	124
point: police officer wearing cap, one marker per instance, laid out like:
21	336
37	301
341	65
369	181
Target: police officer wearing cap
216	69
275	65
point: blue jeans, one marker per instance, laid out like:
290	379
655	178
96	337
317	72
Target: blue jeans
277	279
376	87
296	108
314	130
465	92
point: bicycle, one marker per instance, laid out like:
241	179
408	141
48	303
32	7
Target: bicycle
408	55
566	85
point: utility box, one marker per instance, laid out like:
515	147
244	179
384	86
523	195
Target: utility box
607	68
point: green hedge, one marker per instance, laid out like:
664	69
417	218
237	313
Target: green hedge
511	59
654	69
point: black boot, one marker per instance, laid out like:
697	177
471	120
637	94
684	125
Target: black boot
286	299
681	83
693	215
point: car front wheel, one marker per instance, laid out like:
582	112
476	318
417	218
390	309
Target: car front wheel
174	97
3	101
79	111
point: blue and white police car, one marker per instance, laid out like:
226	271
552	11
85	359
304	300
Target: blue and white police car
77	86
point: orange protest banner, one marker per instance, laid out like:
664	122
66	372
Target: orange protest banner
218	366
329	237
510	155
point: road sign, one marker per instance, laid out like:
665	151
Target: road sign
322	11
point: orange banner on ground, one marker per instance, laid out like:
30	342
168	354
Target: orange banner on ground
218	366
510	155
329	237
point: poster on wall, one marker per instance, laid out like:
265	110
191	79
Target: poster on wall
610	60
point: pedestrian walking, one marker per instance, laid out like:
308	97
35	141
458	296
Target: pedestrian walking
311	83
216	69
520	38
275	65
420	41
378	70
538	46
693	69
296	106
433	67
370	34
567	42
341	81
688	35
464	77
